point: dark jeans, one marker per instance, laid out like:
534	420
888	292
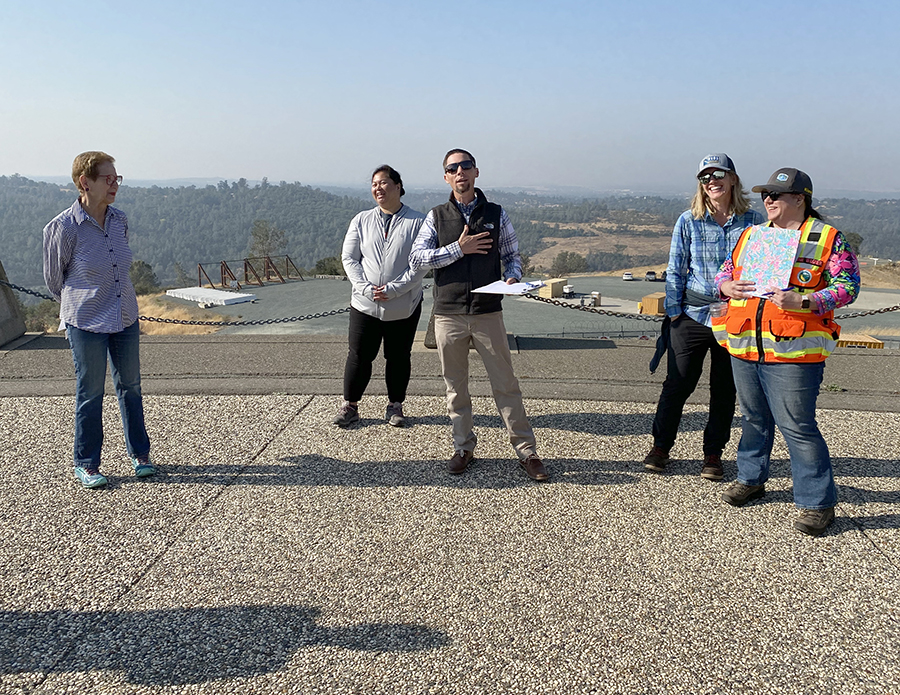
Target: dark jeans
690	341
366	335
91	351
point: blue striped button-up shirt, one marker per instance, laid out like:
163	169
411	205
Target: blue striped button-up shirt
86	268
427	254
699	247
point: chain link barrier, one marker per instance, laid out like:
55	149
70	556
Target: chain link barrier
335	312
188	322
259	322
595	310
653	317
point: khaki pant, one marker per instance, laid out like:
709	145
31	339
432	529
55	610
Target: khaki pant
488	334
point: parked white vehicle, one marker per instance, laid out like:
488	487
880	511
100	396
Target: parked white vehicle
627	276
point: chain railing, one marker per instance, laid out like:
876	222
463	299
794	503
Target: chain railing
25	290
190	322
335	312
259	322
595	310
653	317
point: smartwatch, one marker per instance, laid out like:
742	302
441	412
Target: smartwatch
804	304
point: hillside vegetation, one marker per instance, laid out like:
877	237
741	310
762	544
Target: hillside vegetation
187	225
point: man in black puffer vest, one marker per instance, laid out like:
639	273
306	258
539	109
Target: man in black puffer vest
464	241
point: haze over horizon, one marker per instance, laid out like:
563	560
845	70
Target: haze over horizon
594	96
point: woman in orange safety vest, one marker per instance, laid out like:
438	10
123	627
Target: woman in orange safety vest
778	338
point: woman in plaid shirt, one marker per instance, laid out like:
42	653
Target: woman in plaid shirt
703	238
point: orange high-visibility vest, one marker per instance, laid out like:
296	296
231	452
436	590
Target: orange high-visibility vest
755	329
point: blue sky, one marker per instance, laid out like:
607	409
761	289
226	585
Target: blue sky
594	95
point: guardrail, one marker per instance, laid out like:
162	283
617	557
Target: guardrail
335	312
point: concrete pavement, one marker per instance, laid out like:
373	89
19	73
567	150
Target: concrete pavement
276	553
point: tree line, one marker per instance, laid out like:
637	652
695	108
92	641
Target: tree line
174	228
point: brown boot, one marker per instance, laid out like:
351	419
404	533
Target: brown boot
712	467
657	460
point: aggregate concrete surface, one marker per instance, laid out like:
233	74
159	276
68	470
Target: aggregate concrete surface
275	553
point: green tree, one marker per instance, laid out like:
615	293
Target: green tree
567	263
182	279
329	266
266	240
527	265
855	241
41	317
143	278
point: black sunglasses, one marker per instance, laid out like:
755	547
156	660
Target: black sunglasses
774	195
465	164
706	178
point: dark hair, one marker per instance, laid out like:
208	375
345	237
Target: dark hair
810	210
458	151
393	174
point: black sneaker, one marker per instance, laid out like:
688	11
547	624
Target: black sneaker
737	494
657	460
813	521
347	415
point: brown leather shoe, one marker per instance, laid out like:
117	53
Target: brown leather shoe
460	461
657	460
534	467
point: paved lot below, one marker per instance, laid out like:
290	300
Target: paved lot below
276	553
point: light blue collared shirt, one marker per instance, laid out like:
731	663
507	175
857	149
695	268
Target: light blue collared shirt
699	247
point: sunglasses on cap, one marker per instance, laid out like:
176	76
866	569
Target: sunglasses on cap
718	174
774	195
465	164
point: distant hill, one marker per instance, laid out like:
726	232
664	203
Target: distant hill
184	225
187	224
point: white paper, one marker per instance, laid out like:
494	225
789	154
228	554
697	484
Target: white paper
500	287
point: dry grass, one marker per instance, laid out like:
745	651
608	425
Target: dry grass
160	306
605	239
885	277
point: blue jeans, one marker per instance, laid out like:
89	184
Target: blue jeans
784	394
90	352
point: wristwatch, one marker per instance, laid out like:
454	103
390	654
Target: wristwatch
804	303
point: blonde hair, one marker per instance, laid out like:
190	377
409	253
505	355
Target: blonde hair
87	163
740	203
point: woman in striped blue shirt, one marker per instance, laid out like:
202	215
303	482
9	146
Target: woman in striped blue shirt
86	264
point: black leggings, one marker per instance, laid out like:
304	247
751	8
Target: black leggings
690	342
366	334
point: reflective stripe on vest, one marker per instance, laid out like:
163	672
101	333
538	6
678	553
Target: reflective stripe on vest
783	336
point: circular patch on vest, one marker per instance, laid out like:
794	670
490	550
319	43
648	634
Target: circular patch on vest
804	276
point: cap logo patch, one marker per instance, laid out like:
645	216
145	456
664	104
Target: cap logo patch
711	159
781	177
